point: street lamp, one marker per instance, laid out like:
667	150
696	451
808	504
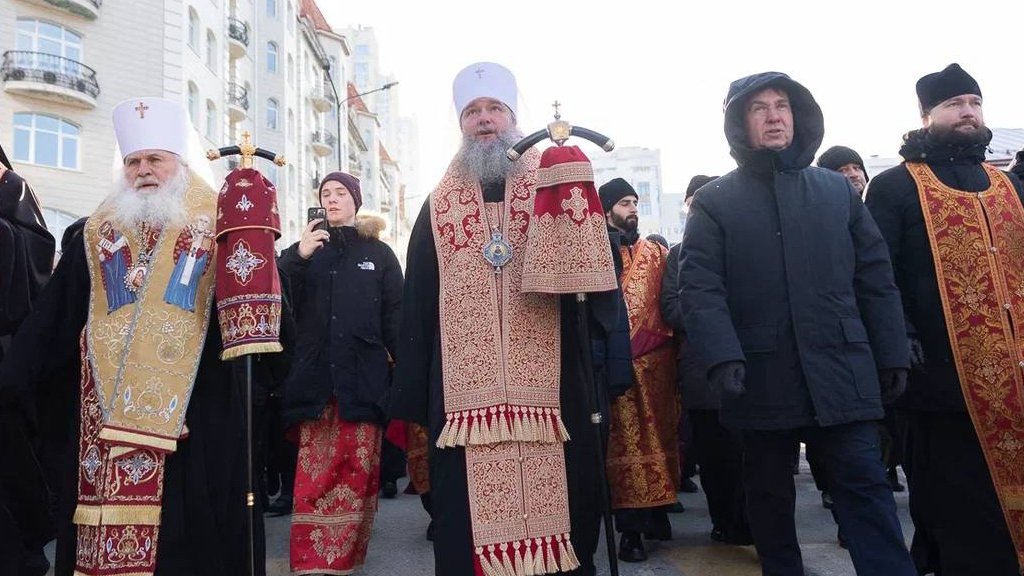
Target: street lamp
338	103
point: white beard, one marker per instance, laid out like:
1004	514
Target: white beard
160	208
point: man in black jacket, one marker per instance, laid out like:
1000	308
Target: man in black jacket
960	526
788	297
715	448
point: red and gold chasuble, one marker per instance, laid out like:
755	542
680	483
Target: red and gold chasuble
977	241
141	348
643	452
500	353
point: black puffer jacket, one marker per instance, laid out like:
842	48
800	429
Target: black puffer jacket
346	300
893	200
783	268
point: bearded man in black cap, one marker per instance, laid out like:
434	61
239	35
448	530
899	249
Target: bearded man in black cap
643	453
955	227
788	297
847	162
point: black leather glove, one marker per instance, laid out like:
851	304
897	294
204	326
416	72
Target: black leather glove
893	382
727	379
916	354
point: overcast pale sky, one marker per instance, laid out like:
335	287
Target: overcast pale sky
654	73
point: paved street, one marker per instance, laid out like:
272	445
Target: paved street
399	546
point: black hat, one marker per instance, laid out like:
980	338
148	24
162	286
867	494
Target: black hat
838	156
696	183
941	86
613	191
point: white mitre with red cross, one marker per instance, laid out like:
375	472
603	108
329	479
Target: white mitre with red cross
151	124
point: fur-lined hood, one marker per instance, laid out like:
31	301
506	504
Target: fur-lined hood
370	225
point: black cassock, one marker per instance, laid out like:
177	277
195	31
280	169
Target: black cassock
203	520
26	258
418	396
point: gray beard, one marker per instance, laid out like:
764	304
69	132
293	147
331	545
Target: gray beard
160	208
486	161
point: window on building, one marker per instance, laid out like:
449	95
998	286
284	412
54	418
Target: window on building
40	38
193	29
211	120
211	50
271	57
361	75
291	71
272	111
272	8
362	50
46	140
291	18
643	189
291	125
645	208
193	103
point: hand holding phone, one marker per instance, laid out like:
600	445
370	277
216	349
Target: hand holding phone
315	235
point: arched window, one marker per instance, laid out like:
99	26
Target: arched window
291	125
211	120
193	29
291	71
272	112
271	57
46	140
272	8
211	50
193	103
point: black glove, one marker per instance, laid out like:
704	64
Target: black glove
893	382
916	354
727	379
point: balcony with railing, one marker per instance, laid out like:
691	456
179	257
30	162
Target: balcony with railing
238	37
323	143
322	98
49	77
88	9
238	102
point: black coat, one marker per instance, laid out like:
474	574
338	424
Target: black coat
697	393
346	300
783	268
894	203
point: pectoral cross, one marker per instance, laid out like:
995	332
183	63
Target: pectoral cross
479	72
556	105
141	109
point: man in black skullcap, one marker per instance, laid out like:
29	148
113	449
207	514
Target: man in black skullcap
788	299
847	162
717	450
643	446
955	227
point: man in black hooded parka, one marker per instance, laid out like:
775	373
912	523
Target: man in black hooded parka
788	298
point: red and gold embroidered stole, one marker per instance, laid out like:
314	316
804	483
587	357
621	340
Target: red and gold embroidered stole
643	454
139	361
500	353
977	241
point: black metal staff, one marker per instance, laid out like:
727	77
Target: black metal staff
248	151
559	131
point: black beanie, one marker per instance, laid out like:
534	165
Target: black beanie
614	191
348	181
941	86
696	183
838	156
